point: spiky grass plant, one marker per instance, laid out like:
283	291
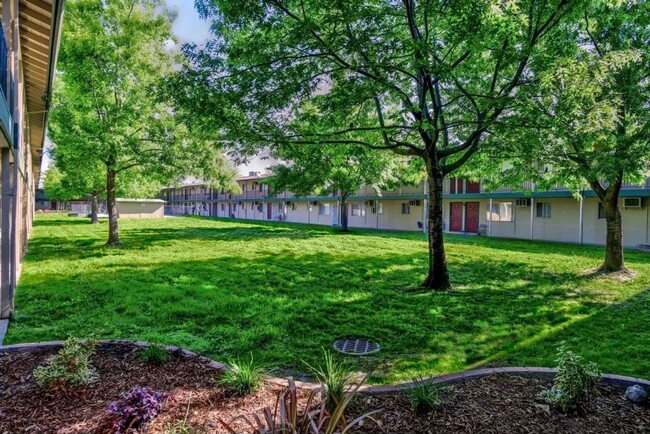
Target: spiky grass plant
287	418
335	375
243	378
424	395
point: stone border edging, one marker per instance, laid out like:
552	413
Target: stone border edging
475	374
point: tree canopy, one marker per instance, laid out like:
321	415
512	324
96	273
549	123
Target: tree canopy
423	78
585	123
106	111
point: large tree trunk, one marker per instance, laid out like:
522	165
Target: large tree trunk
94	208
614	241
344	213
113	230
438	277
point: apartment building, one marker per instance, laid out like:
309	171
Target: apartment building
553	215
29	43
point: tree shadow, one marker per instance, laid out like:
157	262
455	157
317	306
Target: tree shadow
283	307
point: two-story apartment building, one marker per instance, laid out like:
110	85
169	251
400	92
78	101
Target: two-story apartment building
28	49
553	215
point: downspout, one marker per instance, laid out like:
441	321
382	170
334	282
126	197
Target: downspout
532	218
581	222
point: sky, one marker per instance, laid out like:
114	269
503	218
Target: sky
189	28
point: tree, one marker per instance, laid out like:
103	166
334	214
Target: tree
341	169
106	111
52	184
79	176
586	121
427	79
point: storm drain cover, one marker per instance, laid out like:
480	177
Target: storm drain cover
356	347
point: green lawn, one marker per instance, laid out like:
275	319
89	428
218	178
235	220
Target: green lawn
281	292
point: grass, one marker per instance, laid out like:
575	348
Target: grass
282	292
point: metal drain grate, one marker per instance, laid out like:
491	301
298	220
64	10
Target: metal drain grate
356	347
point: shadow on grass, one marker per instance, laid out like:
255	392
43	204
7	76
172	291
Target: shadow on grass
284	307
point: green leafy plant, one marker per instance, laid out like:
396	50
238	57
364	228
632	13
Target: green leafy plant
243	377
335	376
154	354
70	366
424	396
286	417
575	385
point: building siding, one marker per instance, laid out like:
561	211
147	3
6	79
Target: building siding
563	221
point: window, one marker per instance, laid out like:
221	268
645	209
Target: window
293	207
358	210
324	209
234	207
500	212
380	208
601	211
406	208
260	208
543	210
223	207
254	186
252	205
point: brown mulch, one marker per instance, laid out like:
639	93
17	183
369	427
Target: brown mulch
503	404
26	407
496	404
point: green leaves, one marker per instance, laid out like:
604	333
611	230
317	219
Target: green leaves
107	113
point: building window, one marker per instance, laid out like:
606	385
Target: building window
254	186
234	207
260	208
324	209
601	211
406	208
223	207
380	208
293	207
500	212
543	210
358	210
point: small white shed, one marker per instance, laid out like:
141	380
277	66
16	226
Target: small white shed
141	208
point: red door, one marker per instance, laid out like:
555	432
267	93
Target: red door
456	217
471	217
269	211
473	187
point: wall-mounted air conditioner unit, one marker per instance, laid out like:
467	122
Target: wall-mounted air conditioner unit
632	202
522	202
414	202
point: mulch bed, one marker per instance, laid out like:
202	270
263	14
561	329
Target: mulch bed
495	404
26	407
504	404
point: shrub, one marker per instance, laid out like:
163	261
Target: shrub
424	396
70	366
154	354
134	409
243	377
575	385
286	418
336	377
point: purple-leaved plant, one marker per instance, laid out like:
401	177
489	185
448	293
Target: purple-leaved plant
135	409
